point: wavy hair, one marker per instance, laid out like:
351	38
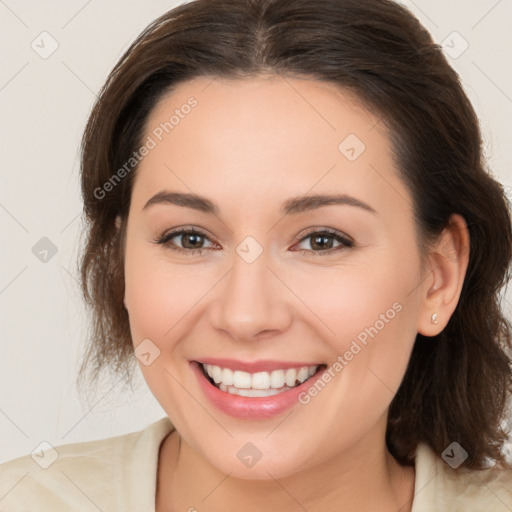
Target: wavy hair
457	384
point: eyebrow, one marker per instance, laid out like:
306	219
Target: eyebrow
291	206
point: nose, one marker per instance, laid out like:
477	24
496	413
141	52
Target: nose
251	303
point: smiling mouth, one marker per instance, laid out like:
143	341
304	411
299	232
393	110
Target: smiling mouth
259	384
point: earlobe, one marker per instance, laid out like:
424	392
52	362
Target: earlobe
448	262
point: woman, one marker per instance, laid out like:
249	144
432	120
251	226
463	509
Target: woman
292	230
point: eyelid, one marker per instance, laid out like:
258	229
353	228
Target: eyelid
310	231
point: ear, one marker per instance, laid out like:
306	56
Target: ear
447	263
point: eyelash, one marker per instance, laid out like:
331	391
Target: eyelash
345	242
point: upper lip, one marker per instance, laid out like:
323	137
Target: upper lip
255	366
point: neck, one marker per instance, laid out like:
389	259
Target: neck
360	478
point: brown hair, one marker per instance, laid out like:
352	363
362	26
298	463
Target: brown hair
457	384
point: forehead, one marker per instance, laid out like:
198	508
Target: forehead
282	111
263	135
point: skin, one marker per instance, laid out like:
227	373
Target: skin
249	145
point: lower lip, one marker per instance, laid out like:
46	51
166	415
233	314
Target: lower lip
250	407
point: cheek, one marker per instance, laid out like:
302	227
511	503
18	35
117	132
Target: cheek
375	324
162	297
368	315
348	300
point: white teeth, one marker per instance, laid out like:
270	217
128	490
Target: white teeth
241	380
260	383
291	376
277	379
303	374
227	377
260	380
217	374
251	392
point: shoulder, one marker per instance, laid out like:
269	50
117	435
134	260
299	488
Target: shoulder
81	475
440	487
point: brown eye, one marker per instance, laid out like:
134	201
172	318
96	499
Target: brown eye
191	240
321	242
185	240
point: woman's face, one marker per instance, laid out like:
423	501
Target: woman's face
302	254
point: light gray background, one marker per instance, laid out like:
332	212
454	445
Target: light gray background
44	105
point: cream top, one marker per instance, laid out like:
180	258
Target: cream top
119	474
